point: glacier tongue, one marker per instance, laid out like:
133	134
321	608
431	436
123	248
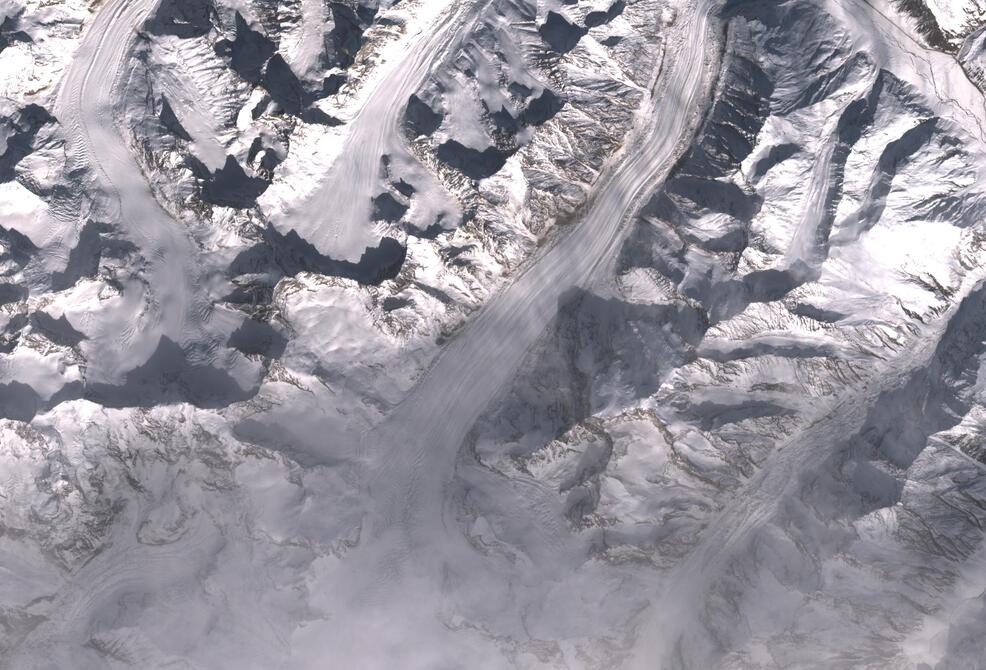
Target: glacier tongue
506	334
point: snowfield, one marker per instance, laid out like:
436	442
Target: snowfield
508	334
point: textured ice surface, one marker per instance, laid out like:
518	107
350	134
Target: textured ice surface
492	334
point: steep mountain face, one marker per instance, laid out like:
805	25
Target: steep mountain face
770	401
534	334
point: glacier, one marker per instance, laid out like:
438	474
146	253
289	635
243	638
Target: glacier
504	334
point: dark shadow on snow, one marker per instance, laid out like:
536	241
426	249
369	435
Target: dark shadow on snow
169	377
290	254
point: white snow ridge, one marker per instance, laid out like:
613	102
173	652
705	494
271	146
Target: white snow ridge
492	334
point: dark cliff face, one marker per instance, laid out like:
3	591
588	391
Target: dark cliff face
20	128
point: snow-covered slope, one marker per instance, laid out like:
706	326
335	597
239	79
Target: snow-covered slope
504	334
